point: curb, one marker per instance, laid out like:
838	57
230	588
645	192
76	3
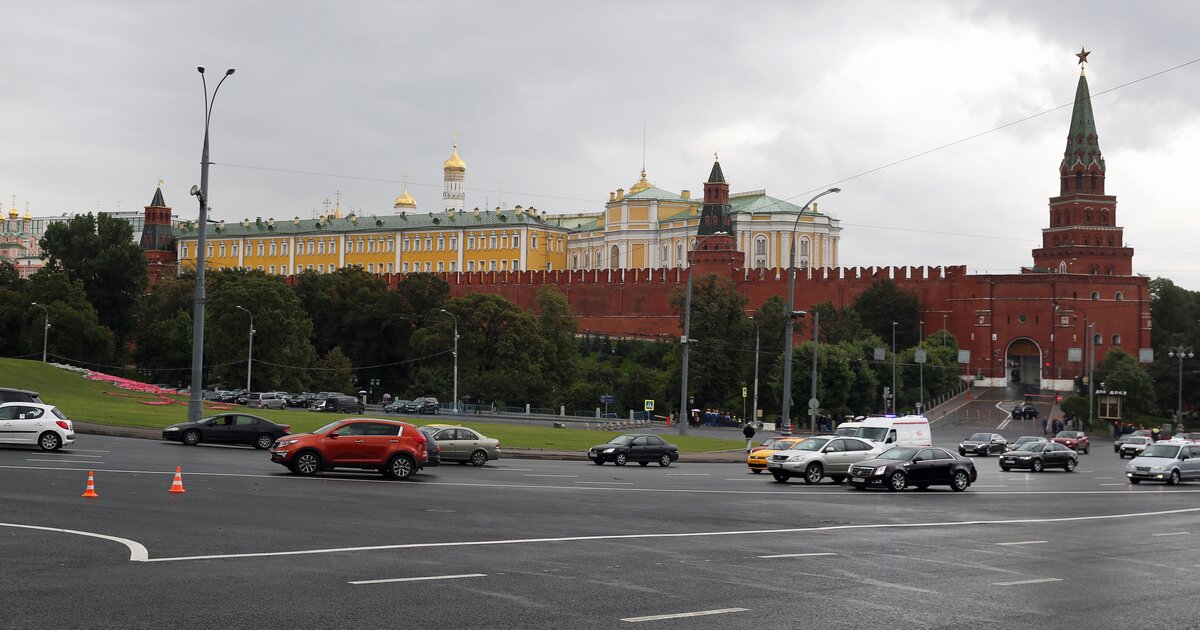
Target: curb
715	457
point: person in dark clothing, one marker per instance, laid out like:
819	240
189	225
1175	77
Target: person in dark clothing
748	431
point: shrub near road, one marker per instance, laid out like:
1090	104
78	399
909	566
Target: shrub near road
103	403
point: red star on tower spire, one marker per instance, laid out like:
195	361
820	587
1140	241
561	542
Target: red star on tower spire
1082	54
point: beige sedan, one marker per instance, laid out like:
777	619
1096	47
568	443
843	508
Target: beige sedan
463	445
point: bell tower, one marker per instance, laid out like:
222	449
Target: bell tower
1083	236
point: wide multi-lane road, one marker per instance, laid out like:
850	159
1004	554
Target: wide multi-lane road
555	544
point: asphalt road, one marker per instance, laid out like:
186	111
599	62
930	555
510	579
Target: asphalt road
558	544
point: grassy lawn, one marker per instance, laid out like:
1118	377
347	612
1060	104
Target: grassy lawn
105	403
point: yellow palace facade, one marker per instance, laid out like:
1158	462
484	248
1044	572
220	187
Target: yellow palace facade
645	228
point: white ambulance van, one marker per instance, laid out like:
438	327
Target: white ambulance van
897	431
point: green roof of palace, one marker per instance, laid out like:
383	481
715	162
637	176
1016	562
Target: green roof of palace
368	223
656	194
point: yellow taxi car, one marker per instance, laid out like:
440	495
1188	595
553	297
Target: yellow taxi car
757	459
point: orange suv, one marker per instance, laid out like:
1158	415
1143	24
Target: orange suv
396	449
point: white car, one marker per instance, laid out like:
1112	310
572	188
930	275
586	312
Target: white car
823	456
35	423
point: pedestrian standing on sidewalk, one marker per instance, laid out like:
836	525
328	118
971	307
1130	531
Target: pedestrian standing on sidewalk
1044	420
748	431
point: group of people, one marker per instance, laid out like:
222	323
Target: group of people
713	418
1125	428
1053	426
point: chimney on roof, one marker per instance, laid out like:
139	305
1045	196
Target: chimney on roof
612	196
620	194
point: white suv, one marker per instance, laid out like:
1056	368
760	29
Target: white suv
823	456
35	423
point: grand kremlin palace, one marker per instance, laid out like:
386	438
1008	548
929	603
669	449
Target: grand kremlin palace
644	228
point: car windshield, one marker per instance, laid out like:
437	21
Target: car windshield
1066	434
980	437
899	453
621	440
329	427
1034	447
1136	440
1167	451
811	444
875	434
1028	438
846	431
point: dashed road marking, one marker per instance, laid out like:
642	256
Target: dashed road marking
563	476
687	474
1103	477
698	613
1024	542
1023	582
620	483
800	555
1173	534
419	579
65	461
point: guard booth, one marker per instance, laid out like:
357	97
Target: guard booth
1108	405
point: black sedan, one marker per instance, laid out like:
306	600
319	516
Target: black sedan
634	447
1025	411
983	444
228	428
904	466
1038	456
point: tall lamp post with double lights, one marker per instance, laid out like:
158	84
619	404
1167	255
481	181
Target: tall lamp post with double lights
1181	353
196	399
455	317
786	417
45	329
894	397
249	347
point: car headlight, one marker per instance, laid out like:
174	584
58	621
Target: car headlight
879	471
283	443
1025	457
609	450
171	429
1157	468
796	458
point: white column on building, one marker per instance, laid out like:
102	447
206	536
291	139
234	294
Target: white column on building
291	254
342	243
524	246
242	245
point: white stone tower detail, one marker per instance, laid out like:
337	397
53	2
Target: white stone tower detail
455	175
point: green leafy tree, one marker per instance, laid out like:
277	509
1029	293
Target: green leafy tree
99	251
164	332
333	372
884	302
718	332
1174	315
76	334
557	326
1120	371
838	324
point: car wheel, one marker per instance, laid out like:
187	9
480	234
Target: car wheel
1135	481
962	453
1036	466
479	458
1005	468
960	481
1069	466
306	463
643	463
263	441
781	477
1087	449
49	441
400	466
858	486
191	437
621	459
813	473
665	460
1173	480
897	481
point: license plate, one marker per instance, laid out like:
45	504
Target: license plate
857	479
774	465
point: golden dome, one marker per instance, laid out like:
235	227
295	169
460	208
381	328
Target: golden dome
641	185
12	214
405	200
27	217
455	163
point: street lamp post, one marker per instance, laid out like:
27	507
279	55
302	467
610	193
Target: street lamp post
249	347
1181	353
921	365
684	405
1091	328
786	418
894	397
754	410
455	317
812	404
45	329
196	399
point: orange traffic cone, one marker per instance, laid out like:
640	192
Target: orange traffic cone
177	485
91	487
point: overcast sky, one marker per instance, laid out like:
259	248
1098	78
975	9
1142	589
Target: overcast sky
549	101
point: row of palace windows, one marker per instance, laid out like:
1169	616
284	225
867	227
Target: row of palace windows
760	252
1083	182
1063	217
1093	270
483	265
1065	241
380	244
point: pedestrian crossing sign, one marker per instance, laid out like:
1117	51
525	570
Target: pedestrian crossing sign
649	405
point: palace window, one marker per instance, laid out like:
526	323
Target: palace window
185	251
1116	340
283	270
493	262
222	250
320	268
441	266
453	266
441	243
470	241
492	241
272	248
320	247
209	251
575	261
679	255
428	267
371	247
404	267
234	250
516	265
533	241
260	248
283	248
272	269
470	265
391	245
516	241
453	243
428	243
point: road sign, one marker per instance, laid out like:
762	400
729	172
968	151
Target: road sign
606	399
813	403
919	356
743	392
649	405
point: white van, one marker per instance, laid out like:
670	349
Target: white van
900	431
848	428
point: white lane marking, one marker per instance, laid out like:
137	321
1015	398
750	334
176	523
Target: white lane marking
1086	472
754	479
65	461
611	483
1102	477
698	613
507	469
989	485
419	579
1113	484
800	555
823	528
1003	424
563	476
87	450
1022	582
1173	534
69	454
1024	542
799	489
687	474
137	551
